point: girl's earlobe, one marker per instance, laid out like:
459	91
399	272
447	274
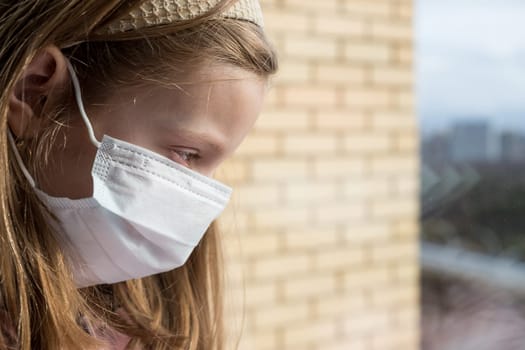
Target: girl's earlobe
19	116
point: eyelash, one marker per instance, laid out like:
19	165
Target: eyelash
187	156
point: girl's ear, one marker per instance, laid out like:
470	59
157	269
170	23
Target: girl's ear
40	88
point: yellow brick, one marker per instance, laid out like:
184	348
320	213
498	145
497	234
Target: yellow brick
280	217
370	321
300	335
281	266
309	286
285	21
340	258
394	121
313	96
395	165
261	244
405	11
339	26
269	4
367	233
340	74
364	8
341	167
367	143
304	193
406	186
259	145
260	295
405	55
257	195
339	213
368	98
406	228
283	119
399	252
407	272
265	339
317	7
407	142
350	343
399	31
395	207
310	238
392	76
272	170
396	338
368	52
342	304
405	100
369	187
397	296
310	144
281	315
407	316
340	120
294	72
277	42
375	278
309	48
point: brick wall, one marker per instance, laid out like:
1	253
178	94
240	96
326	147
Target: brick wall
321	236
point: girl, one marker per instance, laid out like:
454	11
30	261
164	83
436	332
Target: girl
114	116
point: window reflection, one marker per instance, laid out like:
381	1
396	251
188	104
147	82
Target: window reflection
471	83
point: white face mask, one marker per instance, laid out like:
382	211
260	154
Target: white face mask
146	215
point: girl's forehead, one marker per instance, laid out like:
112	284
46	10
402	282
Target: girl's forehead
211	73
207	83
220	94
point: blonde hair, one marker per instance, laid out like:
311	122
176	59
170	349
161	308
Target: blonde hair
180	309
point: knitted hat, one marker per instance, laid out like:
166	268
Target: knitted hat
156	12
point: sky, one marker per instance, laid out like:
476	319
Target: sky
470	61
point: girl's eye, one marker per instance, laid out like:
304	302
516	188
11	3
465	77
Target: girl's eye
187	156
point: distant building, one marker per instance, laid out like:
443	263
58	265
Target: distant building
512	147
473	141
435	149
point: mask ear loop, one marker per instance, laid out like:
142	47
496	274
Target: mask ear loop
78	96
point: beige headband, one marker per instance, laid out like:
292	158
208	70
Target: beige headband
155	12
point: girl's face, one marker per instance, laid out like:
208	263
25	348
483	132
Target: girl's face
198	125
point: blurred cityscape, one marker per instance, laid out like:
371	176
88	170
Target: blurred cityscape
473	200
473	188
473	141
470	86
